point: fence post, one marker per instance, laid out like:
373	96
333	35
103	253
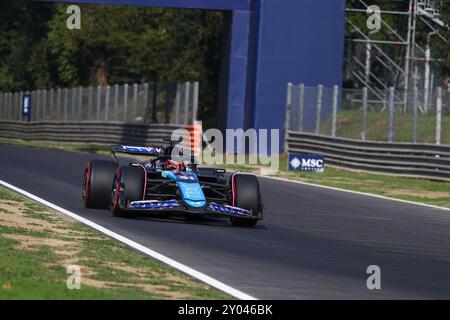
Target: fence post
195	102
80	102
334	110
12	105
31	93
108	88
38	110
20	106
125	103
448	99
319	107
288	115
155	103
99	101
186	101
11	111
13	102
177	104
300	102
39	104
145	107
66	102
5	106
58	104
116	102
16	107
135	101
391	115
73	107
438	114
415	106
44	106
51	104
16	104
90	106
364	114
1	106
5	98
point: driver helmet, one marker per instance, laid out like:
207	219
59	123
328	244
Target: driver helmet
174	165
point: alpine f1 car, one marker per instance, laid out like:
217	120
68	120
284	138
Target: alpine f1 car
161	186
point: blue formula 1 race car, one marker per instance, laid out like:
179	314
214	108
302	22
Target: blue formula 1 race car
163	187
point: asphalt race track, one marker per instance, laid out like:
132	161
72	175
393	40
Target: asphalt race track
313	243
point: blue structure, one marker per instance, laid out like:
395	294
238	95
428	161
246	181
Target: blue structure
271	43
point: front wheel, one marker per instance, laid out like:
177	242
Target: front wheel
97	181
246	195
128	186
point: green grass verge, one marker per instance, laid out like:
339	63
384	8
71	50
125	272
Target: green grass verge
37	245
78	147
419	190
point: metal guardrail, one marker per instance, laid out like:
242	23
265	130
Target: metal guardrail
427	161
87	132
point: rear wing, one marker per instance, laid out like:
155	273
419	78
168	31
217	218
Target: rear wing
135	150
152	151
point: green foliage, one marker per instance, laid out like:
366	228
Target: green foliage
23	49
116	44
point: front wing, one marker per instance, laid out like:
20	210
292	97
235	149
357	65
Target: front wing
211	208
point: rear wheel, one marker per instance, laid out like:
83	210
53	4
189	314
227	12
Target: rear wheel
128	186
97	182
246	196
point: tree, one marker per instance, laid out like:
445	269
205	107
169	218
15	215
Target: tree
116	44
23	48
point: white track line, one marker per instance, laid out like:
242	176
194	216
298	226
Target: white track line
356	192
179	266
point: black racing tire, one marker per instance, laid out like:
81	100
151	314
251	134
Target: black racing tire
247	196
97	183
129	181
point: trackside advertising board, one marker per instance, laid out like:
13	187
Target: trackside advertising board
306	162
